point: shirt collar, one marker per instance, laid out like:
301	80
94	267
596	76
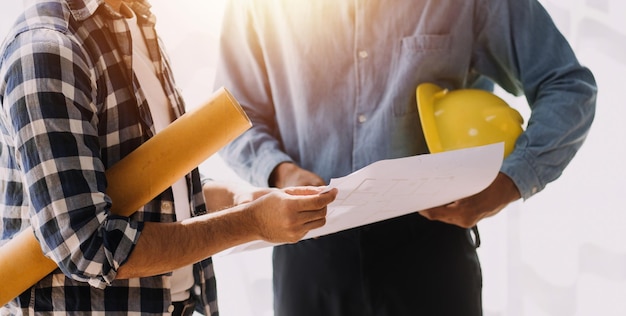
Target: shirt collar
83	9
142	9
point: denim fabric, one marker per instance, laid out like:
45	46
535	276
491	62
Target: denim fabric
331	84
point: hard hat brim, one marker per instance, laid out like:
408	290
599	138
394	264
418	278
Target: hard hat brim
425	95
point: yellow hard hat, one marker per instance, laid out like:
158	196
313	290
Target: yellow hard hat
466	118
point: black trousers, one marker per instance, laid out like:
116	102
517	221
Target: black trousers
403	266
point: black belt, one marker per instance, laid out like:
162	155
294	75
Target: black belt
184	308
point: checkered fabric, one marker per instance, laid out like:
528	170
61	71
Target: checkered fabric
71	108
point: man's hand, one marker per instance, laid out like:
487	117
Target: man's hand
279	216
220	195
250	193
469	211
288	174
287	215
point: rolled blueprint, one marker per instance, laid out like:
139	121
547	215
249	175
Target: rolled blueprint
137	179
174	152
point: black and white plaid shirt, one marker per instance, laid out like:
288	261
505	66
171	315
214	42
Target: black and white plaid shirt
71	108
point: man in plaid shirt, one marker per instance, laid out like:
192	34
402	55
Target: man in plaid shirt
73	104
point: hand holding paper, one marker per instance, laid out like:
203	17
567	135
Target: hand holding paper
395	187
468	211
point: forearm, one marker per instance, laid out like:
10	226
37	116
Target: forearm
164	247
280	216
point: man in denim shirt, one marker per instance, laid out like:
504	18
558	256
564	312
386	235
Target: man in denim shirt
83	83
330	88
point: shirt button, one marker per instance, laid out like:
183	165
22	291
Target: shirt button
170	309
362	118
166	206
363	54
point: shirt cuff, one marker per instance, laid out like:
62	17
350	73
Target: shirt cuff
119	239
523	174
265	164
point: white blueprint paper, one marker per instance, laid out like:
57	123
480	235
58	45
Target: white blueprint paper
395	187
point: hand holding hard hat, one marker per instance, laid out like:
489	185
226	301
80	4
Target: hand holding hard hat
467	118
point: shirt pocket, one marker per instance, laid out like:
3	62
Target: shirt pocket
424	43
421	58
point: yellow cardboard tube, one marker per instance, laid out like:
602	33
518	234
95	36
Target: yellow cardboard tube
136	179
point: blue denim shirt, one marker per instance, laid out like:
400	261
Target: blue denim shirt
330	85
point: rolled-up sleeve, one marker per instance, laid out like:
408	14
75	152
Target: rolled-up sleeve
49	100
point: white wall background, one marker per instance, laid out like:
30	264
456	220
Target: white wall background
561	253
